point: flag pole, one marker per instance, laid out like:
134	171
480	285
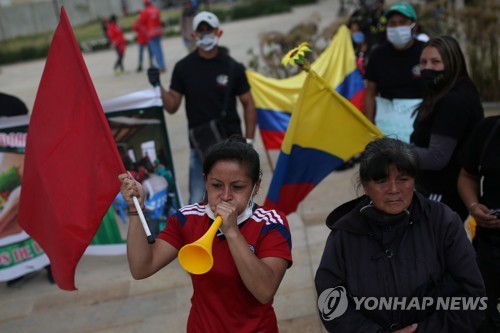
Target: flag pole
144	223
268	156
269	160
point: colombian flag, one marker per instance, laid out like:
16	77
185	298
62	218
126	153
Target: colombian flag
325	131
275	98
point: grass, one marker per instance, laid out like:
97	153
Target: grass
91	30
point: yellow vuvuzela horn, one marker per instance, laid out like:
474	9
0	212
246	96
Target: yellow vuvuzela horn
196	257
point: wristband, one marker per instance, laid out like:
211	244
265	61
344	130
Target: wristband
134	212
250	141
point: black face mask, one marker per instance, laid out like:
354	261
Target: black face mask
432	79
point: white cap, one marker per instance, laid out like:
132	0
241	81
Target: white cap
207	17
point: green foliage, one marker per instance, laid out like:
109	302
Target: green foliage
22	53
301	2
259	8
275	45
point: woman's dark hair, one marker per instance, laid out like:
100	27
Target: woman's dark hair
235	148
384	152
455	67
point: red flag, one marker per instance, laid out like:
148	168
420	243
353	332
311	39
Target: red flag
72	164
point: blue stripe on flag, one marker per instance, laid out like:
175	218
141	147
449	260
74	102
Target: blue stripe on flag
272	120
303	165
351	85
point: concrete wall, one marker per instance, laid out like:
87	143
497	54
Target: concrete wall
30	18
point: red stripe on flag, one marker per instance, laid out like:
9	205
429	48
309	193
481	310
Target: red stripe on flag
358	100
290	197
272	139
71	164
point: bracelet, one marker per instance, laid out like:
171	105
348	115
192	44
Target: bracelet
134	212
472	205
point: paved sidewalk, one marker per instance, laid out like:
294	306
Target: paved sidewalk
108	299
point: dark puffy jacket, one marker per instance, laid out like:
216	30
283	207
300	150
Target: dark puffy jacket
425	253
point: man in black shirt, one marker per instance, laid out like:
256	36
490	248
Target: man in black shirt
393	74
210	80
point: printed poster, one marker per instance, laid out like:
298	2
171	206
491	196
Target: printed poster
395	117
138	125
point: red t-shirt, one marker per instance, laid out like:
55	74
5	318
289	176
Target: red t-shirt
221	302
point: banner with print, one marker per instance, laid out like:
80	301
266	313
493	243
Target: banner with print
138	126
395	117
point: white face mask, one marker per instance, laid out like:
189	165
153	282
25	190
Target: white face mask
207	42
400	36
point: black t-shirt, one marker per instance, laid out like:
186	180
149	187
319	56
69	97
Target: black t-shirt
455	115
396	72
11	106
472	156
204	83
475	153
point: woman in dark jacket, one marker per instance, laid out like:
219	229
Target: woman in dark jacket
395	261
449	112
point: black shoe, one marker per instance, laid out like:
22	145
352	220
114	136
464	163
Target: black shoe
139	69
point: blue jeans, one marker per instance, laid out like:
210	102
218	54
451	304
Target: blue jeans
156	50
196	179
141	52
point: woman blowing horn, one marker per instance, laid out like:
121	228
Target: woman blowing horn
251	251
